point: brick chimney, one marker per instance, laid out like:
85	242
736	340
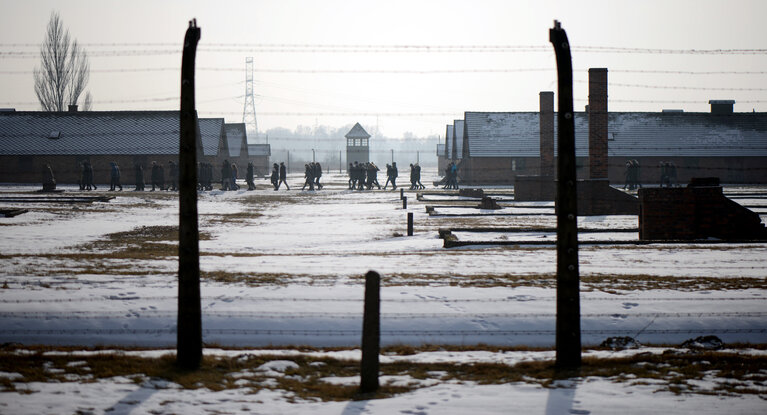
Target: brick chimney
721	106
597	123
546	120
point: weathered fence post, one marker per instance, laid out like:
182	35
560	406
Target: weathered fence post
410	224
371	333
401	192
189	324
404	202
568	337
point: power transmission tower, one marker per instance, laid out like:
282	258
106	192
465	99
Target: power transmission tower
249	109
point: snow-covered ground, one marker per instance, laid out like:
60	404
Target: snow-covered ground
285	268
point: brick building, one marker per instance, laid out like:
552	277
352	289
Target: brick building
29	140
237	141
498	146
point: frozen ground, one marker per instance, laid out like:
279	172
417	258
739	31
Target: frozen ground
284	268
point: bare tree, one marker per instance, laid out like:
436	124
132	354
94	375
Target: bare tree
64	69
88	103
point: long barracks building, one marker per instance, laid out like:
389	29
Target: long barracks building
498	146
30	140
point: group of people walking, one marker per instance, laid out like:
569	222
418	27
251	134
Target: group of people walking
312	174
667	174
364	175
158	181
158	177
415	177
86	176
451	176
279	176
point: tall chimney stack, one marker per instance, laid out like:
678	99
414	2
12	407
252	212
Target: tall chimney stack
546	122
597	114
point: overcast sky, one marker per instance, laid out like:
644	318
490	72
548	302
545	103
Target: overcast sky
403	86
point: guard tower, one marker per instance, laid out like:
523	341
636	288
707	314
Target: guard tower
357	145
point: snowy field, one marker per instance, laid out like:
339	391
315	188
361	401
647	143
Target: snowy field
285	268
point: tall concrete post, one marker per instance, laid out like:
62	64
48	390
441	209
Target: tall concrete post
189	324
371	333
568	327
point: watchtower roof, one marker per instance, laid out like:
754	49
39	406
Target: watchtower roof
357	132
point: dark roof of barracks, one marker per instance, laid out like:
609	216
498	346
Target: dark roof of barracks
90	132
630	134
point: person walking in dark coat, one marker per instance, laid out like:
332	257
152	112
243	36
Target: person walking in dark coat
173	176
317	175
394	174
308	177
418	183
388	175
275	178
249	177
283	176
139	178
155	176
226	176
235	172
373	176
114	177
89	176
352	177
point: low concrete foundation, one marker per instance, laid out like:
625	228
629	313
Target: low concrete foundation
595	196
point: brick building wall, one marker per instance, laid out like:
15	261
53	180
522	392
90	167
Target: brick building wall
546	118
496	170
687	213
67	169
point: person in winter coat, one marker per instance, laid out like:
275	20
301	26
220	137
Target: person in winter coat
235	172
89	176
275	176
114	177
173	176
317	175
418	183
394	174
249	177
308	177
139	178
283	176
226	176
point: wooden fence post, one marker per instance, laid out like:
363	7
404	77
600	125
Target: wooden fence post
189	323
371	333
410	224
404	202
568	326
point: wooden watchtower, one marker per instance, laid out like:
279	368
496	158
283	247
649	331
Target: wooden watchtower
357	145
